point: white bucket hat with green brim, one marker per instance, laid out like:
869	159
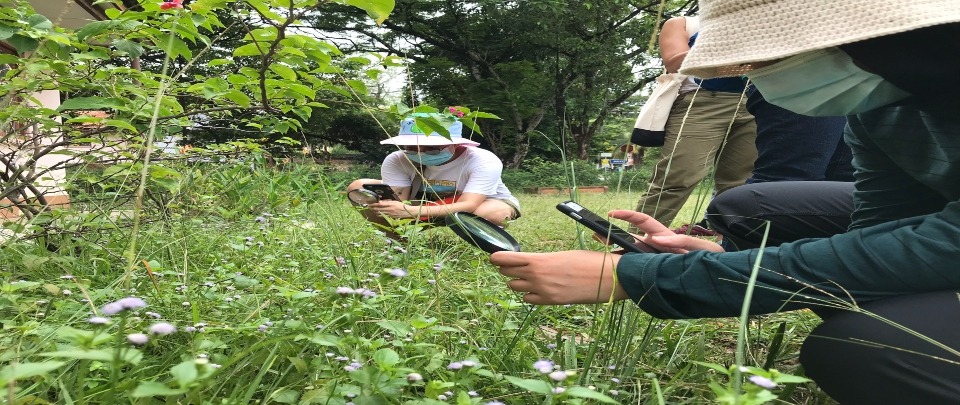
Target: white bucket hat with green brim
411	135
736	33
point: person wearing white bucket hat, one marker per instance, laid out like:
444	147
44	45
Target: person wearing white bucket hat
888	289
433	176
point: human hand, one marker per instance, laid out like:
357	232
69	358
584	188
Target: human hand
662	238
568	277
392	209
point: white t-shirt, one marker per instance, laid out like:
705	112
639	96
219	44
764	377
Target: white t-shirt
474	171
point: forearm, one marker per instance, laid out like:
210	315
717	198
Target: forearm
896	258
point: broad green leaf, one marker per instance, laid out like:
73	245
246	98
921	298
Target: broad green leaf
252	49
33	262
238	97
386	358
358	85
398	328
283	71
538	386
39	22
581	392
122	125
13	372
23	44
153	388
379	10
185	373
128	47
7	31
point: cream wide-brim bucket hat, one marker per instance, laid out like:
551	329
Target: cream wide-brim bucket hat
734	33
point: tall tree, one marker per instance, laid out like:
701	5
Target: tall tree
561	64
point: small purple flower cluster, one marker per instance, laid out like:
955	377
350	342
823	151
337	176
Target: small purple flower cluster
362	292
123	304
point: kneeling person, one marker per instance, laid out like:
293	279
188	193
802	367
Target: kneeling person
434	176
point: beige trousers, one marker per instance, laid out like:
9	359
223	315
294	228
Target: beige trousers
717	137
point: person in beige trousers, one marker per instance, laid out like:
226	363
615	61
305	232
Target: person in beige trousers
709	131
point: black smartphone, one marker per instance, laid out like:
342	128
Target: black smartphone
594	222
383	191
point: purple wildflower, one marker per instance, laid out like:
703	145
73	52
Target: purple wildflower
763	382
340	261
414	377
558	375
162	328
455	366
345	291
544	366
98	320
138	339
558	390
398	272
112	308
131	303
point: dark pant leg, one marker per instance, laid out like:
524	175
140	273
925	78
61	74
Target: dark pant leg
857	358
794	147
794	209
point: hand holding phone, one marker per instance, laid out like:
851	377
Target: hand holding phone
613	233
383	191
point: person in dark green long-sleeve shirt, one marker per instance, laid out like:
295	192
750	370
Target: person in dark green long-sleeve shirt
888	289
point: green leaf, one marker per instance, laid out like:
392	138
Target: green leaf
581	392
379	10
238	97
39	22
13	372
249	50
9	59
185	373
386	358
358	86
33	262
538	386
153	388
7	31
122	125
23	44
131	48
283	71
396	327
285	396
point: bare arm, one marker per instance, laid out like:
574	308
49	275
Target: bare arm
674	43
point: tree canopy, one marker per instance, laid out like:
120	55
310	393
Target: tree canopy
543	66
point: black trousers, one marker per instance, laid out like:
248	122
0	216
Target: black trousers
793	209
903	350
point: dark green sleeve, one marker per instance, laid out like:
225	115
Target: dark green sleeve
905	238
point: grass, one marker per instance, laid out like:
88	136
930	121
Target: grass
284	295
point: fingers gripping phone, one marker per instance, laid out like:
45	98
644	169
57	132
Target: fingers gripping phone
594	222
383	191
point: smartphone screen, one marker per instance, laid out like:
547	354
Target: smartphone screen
596	223
384	191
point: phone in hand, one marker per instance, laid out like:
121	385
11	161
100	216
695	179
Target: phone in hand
383	191
594	222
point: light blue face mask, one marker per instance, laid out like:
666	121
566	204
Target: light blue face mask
822	83
430	158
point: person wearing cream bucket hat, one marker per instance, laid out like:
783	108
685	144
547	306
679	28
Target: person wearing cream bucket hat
432	176
887	289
